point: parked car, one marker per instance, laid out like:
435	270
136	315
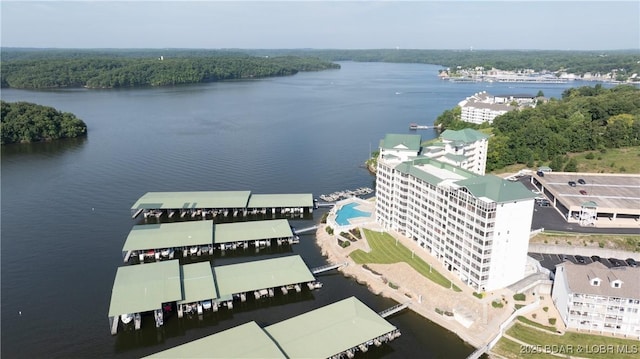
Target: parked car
572	183
595	258
631	262
616	262
580	259
583	192
540	173
581	181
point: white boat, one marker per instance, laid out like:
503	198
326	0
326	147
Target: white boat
206	304
126	318
193	250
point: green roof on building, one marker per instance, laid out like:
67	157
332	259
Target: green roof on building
192	200
246	341
169	235
466	135
397	141
197	282
444	170
456	158
255	275
252	230
289	200
329	330
496	188
144	287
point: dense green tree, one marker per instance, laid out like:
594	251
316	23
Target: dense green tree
28	122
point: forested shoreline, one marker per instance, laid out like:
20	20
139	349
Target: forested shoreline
24	122
584	119
116	68
121	72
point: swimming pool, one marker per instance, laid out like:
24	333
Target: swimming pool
347	212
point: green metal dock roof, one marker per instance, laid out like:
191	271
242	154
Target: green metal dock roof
290	200
329	330
268	273
197	282
252	230
192	200
466	135
169	235
144	287
244	341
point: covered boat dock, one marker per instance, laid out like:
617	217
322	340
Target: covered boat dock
144	288
154	242
192	204
211	204
262	277
199	289
246	341
258	233
160	241
294	203
334	331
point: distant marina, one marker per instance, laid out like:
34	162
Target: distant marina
338	195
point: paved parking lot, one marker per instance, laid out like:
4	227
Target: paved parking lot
551	218
550	261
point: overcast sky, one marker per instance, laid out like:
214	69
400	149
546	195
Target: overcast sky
548	25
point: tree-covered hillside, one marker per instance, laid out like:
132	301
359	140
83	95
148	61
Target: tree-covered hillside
118	71
584	119
28	122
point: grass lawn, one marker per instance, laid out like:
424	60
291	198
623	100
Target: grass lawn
386	250
590	345
510	349
536	324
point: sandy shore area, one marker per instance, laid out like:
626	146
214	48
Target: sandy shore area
474	320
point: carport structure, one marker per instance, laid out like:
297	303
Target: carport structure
605	200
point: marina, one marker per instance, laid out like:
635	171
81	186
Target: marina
415	126
339	195
337	330
160	287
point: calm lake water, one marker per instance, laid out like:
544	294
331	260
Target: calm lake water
66	205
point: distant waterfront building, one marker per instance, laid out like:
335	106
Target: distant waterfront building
466	149
477	226
483	107
598	299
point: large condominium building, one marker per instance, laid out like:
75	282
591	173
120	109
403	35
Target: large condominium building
477	226
465	148
483	107
599	299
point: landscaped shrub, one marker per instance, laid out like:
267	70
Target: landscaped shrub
552	321
478	295
497	304
393	285
344	244
356	233
439	311
330	230
546	309
324	217
520	296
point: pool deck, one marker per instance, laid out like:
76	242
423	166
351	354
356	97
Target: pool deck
362	205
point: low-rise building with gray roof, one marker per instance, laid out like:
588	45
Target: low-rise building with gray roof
598	299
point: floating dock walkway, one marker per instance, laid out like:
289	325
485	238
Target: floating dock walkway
393	310
304	230
328	267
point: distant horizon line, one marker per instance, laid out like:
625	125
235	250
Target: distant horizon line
299	48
